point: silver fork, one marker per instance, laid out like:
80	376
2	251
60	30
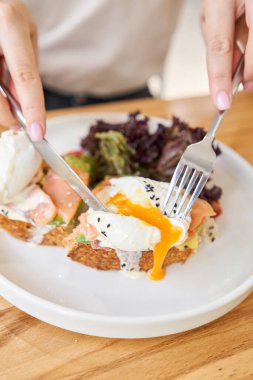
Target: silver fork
196	164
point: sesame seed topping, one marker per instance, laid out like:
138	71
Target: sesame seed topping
157	204
108	225
212	240
104	233
70	204
98	220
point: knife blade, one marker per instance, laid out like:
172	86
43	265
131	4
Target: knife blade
54	160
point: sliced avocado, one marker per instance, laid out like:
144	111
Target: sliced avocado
78	162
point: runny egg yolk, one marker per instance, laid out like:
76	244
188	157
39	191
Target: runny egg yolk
153	216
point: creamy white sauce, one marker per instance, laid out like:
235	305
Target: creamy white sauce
129	261
12	214
210	230
38	234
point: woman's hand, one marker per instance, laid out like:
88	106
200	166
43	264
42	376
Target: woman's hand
218	20
18	50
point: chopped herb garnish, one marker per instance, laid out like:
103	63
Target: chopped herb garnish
81	239
58	221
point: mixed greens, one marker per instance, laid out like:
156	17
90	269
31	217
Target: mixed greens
129	148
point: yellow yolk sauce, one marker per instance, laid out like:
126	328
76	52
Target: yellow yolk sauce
154	217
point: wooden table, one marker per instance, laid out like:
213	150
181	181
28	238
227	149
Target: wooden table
30	349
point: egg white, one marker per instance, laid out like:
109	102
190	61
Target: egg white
123	232
126	232
19	162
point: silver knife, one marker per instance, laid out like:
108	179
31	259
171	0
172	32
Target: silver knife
54	160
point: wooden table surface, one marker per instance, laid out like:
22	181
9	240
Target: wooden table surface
30	349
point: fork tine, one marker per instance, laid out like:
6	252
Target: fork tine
197	191
182	183
173	182
187	191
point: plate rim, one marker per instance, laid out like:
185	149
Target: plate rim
243	288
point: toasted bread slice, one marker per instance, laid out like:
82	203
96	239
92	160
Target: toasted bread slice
107	259
25	231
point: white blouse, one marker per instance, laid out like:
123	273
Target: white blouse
102	47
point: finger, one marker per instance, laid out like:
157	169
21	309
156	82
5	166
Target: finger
6	117
34	40
22	65
219	32
248	65
239	8
236	57
1	66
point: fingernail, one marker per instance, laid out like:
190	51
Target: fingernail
248	85
35	131
222	101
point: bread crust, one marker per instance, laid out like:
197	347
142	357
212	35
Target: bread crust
107	259
24	231
101	258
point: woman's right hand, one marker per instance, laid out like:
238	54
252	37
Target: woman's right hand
19	52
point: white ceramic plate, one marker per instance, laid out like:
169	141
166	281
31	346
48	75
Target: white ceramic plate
44	283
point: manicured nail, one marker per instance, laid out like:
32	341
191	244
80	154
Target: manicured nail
222	101
35	131
248	85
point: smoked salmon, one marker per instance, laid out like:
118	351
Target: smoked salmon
64	197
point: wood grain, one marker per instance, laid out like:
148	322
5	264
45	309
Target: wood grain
30	349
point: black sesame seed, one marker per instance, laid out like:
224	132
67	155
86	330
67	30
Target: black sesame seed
104	233
211	227
157	204
165	213
210	234
186	246
153	197
157	199
98	220
123	265
212	240
108	225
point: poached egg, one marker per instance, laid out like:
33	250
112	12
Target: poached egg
19	162
136	221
